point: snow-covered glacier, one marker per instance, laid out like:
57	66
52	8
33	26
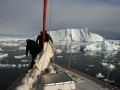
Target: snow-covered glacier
74	35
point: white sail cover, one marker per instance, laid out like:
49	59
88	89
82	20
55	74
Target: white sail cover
42	61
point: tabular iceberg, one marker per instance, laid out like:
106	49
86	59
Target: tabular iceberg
75	35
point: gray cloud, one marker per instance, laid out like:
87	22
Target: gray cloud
25	16
100	17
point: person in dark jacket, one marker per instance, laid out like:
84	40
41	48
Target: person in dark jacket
40	38
34	49
48	37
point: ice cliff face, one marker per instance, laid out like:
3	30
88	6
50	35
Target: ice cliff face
75	35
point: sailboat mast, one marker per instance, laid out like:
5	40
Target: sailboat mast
44	20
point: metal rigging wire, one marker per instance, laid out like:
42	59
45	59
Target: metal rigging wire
50	16
50	22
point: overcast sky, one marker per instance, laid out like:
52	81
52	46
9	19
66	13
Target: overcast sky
24	17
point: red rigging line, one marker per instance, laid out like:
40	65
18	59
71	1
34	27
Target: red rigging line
44	20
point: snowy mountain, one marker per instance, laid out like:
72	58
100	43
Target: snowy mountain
74	35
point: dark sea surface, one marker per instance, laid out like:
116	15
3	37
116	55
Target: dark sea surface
12	68
90	62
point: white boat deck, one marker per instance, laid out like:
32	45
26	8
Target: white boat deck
81	83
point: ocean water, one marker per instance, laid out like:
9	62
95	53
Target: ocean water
13	65
93	63
13	62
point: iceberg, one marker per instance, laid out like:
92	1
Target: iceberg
95	41
97	37
74	35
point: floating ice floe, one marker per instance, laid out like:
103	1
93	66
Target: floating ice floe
59	56
8	39
91	65
58	51
22	48
107	80
119	63
22	65
7	65
20	56
99	75
13	65
104	64
10	44
3	55
24	61
1	49
104	60
101	46
92	53
109	66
